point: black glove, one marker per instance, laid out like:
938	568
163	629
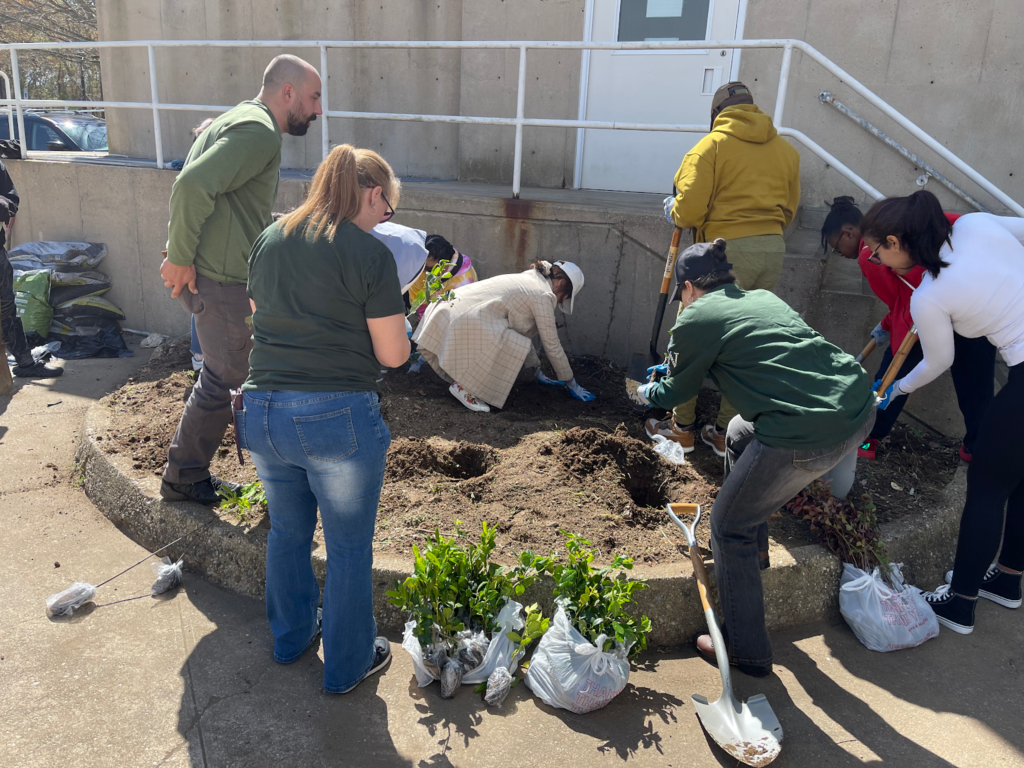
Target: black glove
5	210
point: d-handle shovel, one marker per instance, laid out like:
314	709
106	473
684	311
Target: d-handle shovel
749	731
897	361
636	373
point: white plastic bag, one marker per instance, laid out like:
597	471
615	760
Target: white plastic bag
882	617
671	450
499	650
569	672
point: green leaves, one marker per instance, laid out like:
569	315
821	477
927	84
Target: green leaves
594	600
454	586
433	287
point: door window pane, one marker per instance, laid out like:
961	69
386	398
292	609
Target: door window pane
663	20
41	134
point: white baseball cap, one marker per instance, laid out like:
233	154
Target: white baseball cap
575	275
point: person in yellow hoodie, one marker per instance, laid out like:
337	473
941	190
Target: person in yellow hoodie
740	183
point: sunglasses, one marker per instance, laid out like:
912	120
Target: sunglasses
391	210
874	258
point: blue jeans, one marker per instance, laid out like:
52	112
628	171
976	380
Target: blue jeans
759	479
326	450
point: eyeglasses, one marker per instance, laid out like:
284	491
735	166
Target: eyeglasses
834	250
391	210
874	258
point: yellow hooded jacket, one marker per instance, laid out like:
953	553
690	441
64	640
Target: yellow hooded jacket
741	180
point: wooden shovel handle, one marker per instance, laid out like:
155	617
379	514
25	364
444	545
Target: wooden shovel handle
866	352
702	577
670	261
897	360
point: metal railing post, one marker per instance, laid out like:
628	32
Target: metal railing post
10	106
517	171
324	137
16	74
780	100
581	112
155	101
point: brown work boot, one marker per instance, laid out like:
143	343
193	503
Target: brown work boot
668	429
710	435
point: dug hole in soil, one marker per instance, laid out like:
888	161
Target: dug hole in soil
544	463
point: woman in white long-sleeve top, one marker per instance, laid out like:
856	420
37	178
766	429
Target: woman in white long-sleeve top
480	340
974	286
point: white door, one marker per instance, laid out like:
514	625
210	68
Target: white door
651	87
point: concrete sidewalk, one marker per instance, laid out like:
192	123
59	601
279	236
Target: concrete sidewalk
189	680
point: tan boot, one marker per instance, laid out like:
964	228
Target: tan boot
668	429
710	435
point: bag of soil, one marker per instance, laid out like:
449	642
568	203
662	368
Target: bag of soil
65	286
106	342
498	652
567	671
168	575
451	678
31	297
498	686
89	306
64	603
51	255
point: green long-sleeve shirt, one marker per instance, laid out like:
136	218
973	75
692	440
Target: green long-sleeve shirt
800	391
223	197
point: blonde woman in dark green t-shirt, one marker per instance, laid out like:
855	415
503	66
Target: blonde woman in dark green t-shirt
327	313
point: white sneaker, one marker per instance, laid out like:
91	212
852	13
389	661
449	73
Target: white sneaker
468	400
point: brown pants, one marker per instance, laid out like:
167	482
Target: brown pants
221	310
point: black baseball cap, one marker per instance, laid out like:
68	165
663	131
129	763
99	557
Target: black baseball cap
698	260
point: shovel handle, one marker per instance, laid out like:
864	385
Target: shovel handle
666	283
897	360
866	352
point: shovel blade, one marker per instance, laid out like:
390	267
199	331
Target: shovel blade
752	735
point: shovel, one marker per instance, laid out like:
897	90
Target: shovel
866	352
636	373
897	361
749	731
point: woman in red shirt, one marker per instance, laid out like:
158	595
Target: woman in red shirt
973	368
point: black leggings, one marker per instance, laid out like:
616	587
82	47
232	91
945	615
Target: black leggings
973	370
995	491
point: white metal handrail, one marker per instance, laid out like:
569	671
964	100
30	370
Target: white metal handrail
520	120
10	112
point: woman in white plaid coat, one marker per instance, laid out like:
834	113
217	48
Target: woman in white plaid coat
481	339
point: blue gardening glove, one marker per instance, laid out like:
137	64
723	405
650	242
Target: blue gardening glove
885	400
540	378
579	392
660	370
881	336
670	202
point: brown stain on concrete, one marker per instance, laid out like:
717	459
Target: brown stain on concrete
515	229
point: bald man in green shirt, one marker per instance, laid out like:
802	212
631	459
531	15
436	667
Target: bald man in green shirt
220	203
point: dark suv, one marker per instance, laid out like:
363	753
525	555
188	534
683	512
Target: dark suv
59	131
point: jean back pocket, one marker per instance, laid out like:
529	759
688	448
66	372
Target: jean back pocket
327	437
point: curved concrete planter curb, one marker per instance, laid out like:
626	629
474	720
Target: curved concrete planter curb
800	587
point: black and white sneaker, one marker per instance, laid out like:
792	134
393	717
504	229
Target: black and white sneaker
381	657
953	611
998	586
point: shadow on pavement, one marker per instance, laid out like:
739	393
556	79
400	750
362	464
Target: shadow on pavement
241	708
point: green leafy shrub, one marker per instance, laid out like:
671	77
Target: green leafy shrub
594	602
434	289
455	587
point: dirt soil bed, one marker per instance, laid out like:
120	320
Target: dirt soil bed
543	463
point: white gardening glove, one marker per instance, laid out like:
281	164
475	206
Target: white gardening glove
670	202
579	392
643	393
881	336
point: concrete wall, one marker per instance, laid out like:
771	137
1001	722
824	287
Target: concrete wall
951	66
480	83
